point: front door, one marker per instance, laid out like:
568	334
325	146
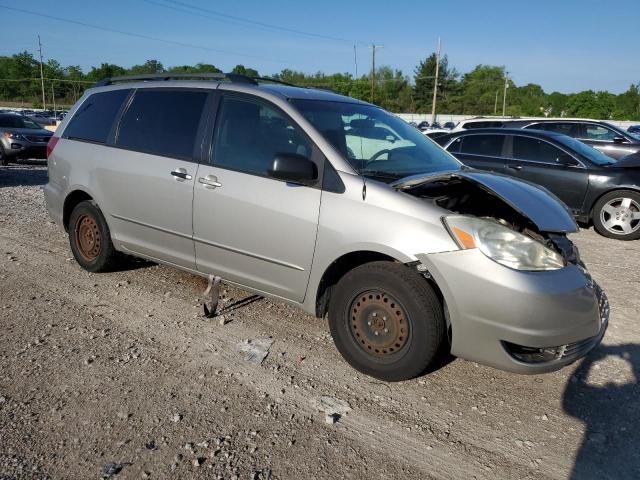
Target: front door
248	228
537	161
608	141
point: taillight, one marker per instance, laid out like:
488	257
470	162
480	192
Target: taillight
51	145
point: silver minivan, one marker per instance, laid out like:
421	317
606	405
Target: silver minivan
330	204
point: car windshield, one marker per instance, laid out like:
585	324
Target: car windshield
16	121
376	143
590	153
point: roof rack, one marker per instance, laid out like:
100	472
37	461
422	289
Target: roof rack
164	76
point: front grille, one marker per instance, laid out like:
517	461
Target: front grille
38	139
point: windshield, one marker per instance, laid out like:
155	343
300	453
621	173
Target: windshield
590	153
16	121
376	143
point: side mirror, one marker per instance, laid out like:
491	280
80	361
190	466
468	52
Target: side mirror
566	160
619	140
294	168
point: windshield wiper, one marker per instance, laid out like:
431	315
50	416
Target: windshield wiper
380	174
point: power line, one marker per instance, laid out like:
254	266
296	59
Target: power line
242	20
139	35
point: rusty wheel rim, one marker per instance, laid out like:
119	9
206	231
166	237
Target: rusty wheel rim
88	237
378	323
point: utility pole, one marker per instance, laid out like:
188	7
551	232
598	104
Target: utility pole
355	60
373	69
435	84
504	96
44	102
53	95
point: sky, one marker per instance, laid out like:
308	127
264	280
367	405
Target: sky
562	45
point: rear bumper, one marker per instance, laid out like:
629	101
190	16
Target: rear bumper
54	200
497	312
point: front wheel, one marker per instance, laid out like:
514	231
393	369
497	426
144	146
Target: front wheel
617	215
387	321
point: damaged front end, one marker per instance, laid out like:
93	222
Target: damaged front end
517	205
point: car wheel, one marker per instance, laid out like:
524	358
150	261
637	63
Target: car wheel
90	238
617	215
4	160
387	321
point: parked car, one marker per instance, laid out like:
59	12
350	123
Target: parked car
422	126
449	125
408	253
43	118
609	139
596	189
480	122
436	126
21	137
634	130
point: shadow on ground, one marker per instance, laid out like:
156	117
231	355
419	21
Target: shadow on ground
611	412
21	176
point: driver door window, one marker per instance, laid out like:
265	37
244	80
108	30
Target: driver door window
250	134
599	133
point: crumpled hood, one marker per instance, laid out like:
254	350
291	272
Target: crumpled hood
544	209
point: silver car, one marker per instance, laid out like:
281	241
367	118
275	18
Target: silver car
21	137
266	186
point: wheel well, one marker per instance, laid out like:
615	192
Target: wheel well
73	199
620	189
338	269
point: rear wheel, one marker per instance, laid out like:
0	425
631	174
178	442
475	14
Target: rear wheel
617	215
387	321
90	238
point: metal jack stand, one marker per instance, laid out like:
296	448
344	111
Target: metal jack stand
210	297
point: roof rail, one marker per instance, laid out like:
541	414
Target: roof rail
273	80
232	77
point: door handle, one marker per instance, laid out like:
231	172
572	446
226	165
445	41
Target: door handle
181	174
210	181
515	167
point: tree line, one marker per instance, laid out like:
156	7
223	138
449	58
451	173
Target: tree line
478	92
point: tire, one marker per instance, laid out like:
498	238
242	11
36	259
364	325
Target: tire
90	239
617	215
4	160
411	332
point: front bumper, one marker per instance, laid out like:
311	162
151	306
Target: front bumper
493	308
19	148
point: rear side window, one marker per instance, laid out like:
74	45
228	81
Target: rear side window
94	119
597	132
250	134
526	148
163	122
489	145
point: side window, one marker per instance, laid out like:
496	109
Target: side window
527	148
95	117
248	135
454	147
489	145
162	122
597	132
570	129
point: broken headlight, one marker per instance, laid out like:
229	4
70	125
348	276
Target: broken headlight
502	244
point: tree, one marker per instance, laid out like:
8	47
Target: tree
424	76
242	70
480	87
105	70
150	66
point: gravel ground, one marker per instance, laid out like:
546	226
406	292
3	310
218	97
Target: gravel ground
119	375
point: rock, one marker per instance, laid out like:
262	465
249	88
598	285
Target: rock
332	405
256	350
544	417
111	469
198	461
331	418
176	417
150	445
